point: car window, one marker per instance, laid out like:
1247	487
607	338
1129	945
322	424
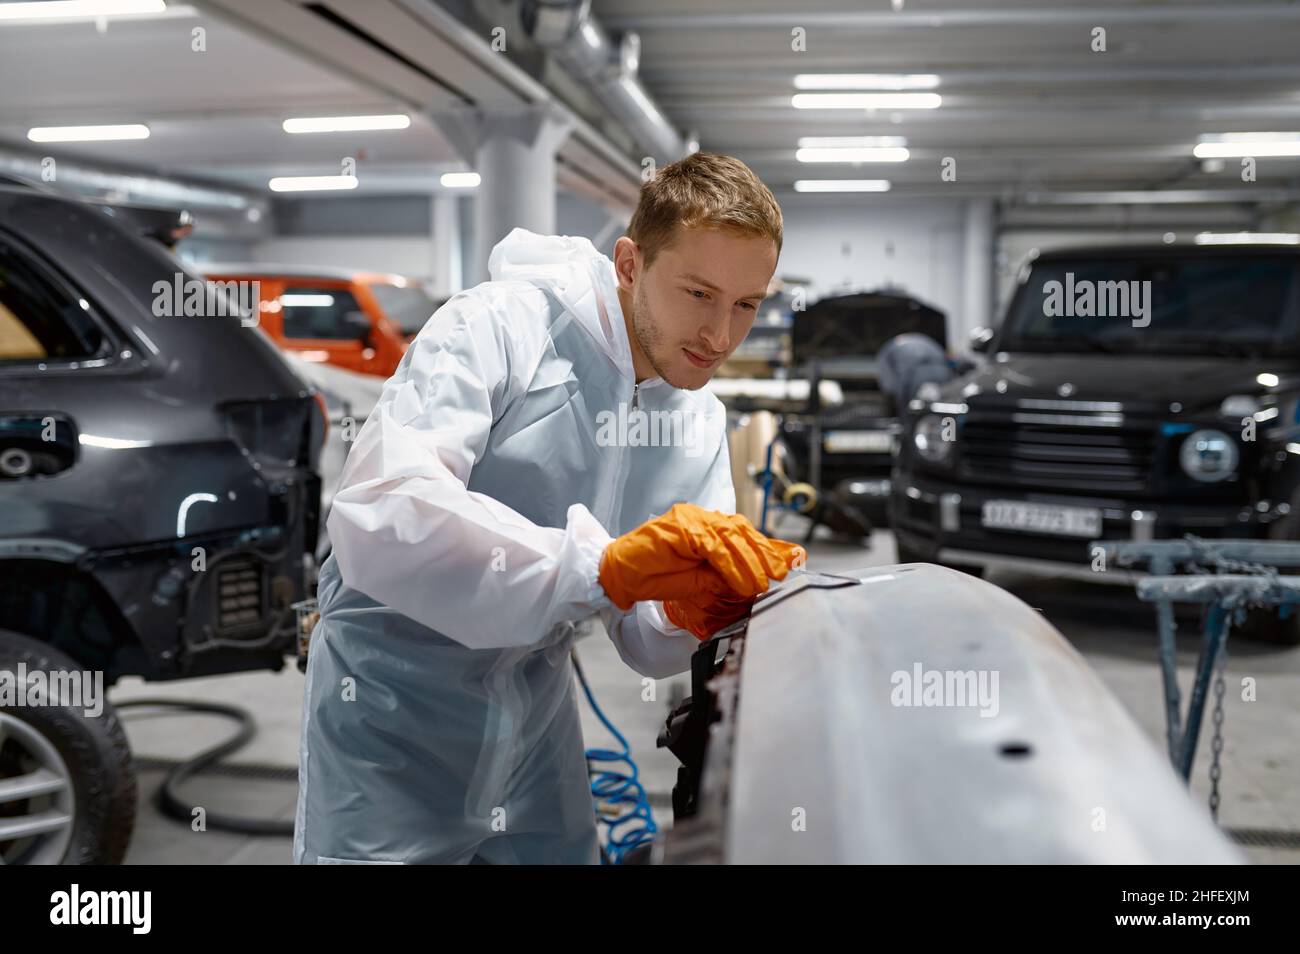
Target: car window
1194	304
38	320
408	305
315	312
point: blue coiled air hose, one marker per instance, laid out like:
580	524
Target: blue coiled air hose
629	822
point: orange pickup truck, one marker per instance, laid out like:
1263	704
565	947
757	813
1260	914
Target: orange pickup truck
361	321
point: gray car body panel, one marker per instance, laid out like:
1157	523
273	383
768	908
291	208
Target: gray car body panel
825	750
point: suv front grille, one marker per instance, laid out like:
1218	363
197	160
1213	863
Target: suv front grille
1089	447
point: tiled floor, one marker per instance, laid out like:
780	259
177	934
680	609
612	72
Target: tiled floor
1261	777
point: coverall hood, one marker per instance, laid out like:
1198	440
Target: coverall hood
579	276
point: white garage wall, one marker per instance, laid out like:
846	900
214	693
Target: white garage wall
200	251
405	255
915	248
394	234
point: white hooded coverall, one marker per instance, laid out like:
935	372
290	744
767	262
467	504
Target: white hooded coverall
439	720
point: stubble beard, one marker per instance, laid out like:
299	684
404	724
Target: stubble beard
651	339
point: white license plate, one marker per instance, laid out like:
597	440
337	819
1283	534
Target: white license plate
1042	518
858	442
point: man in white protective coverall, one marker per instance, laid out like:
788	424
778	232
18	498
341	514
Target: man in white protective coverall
544	452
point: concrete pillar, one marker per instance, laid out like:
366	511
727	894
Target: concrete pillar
515	160
514	154
447	271
977	273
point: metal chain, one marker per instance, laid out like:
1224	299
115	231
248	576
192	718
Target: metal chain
1216	743
1204	555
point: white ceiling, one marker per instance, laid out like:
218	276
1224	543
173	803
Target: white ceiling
1028	106
214	114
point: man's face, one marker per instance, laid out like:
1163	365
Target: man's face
696	302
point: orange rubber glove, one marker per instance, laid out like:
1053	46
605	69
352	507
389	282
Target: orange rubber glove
705	615
691	553
703	619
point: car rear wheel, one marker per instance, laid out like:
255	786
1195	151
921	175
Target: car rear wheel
67	787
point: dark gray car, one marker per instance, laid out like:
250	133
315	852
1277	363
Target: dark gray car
158	505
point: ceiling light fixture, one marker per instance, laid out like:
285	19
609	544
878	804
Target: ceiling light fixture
312	183
87	133
841	185
892	81
1242	145
330	124
459	180
866	100
78	9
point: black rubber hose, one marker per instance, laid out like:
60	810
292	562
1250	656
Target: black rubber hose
176	807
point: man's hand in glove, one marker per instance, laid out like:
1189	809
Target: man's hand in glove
704	618
690	553
705	614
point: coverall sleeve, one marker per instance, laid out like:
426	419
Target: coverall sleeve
645	639
406	530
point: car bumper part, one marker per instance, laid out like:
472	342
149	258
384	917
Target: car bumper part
945	522
1046	766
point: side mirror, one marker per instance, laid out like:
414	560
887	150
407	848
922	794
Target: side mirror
981	339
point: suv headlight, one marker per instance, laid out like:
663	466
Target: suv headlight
1208	456
928	439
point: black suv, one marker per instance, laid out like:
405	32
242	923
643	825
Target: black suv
1131	393
158	504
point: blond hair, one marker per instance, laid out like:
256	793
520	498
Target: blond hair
704	190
